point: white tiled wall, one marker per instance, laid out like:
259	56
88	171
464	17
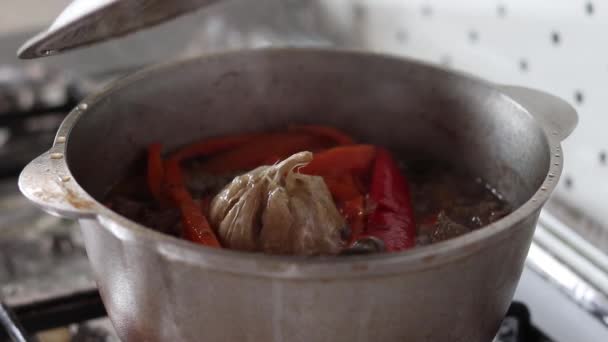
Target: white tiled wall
558	46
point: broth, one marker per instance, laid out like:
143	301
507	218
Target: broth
447	202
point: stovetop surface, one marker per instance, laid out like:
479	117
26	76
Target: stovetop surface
41	256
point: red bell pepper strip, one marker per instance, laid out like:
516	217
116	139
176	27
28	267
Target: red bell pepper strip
392	219
195	225
342	168
325	132
350	200
213	145
344	187
337	161
155	170
258	151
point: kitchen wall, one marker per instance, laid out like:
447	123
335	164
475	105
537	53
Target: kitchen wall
27	15
227	25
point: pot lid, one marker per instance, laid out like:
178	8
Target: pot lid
85	22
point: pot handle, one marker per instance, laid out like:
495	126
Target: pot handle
47	182
557	116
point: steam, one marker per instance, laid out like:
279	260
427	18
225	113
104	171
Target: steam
241	24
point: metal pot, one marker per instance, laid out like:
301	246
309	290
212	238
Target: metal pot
159	288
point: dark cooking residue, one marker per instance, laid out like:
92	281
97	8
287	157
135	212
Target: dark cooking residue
345	198
448	202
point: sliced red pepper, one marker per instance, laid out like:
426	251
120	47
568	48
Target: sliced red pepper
213	145
392	219
326	132
155	170
337	161
342	168
350	199
258	151
343	188
196	228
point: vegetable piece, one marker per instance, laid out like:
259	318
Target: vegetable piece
155	170
341	168
261	150
215	145
212	146
343	188
276	210
392	219
325	132
337	161
351	200
195	225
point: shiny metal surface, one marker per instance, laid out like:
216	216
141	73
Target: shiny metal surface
7	318
556	116
577	274
157	288
86	22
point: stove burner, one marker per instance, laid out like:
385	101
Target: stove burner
33	102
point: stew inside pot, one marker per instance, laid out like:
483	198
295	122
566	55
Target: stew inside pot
308	190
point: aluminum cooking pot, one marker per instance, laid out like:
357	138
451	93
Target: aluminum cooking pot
160	288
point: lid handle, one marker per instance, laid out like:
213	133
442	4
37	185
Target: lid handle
47	182
557	116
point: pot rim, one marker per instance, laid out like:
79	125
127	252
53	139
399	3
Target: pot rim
294	267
